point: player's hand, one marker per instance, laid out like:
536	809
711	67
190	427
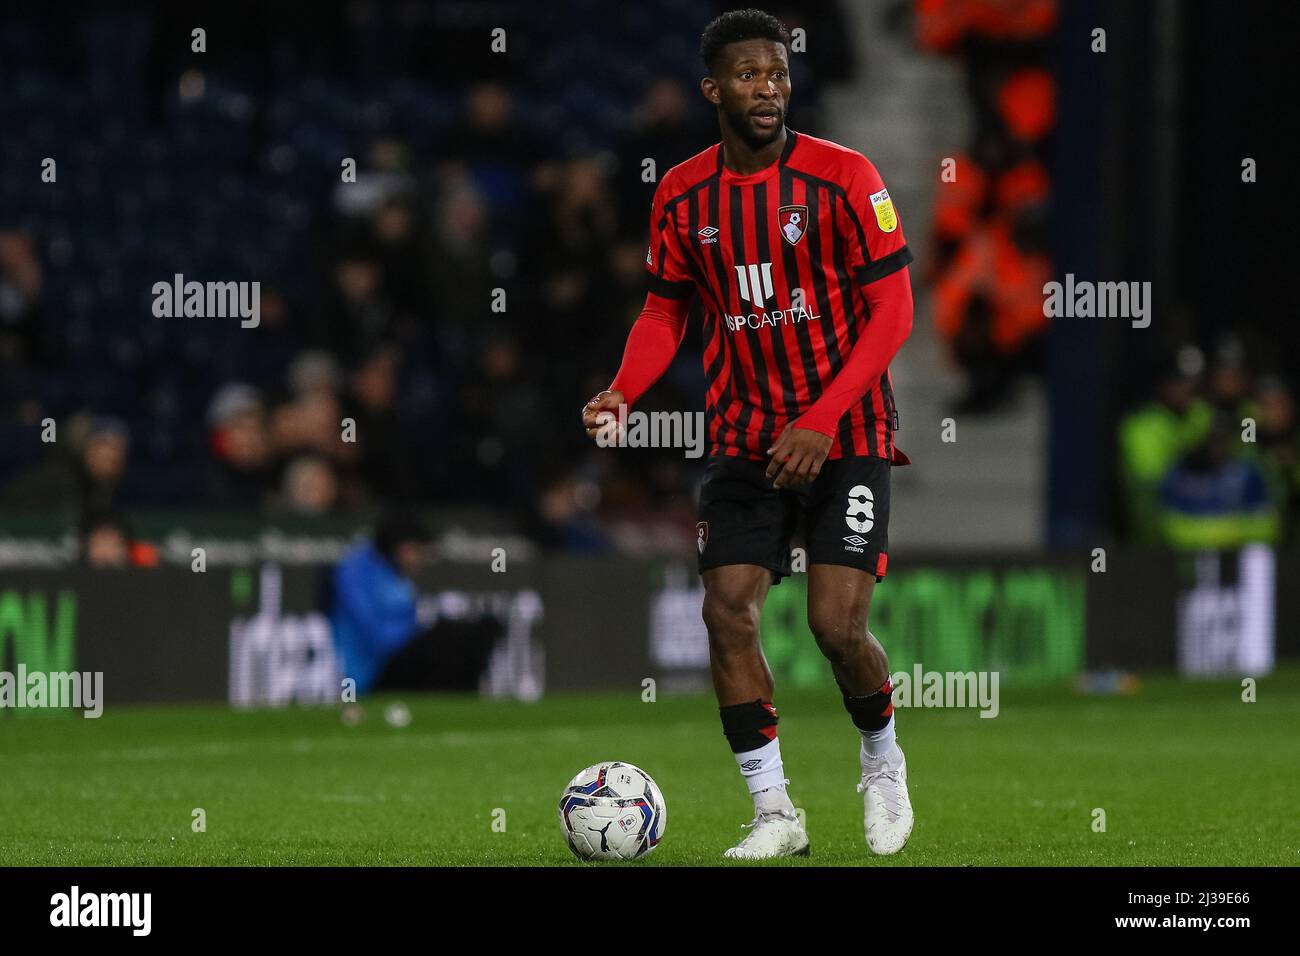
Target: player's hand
594	412
797	457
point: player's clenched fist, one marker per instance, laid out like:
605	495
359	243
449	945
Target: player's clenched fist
598	413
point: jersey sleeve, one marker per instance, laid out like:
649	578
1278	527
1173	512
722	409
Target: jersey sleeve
869	224
664	260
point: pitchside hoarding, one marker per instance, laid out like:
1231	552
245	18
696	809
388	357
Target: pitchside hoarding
260	635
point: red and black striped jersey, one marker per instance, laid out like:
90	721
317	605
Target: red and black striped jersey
779	258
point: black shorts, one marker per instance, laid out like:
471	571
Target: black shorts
844	514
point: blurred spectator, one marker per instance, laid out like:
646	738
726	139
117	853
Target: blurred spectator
945	24
373	614
958	207
989	304
567	519
1153	439
500	153
386	465
310	419
105	542
1229	384
313	371
1215	499
402	247
669	128
383	178
85	469
356	315
579	221
572	232
25	338
263	357
376	631
310	487
1277	445
501	433
241	469
1027	104
461	268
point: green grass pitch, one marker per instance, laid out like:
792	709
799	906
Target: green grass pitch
1186	773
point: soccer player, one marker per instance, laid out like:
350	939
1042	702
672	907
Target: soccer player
795	249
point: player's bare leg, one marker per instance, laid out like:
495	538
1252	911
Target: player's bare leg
839	602
733	600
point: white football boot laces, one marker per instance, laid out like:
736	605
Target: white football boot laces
888	808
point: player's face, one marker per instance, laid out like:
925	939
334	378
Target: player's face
752	89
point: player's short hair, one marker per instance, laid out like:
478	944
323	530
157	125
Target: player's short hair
735	26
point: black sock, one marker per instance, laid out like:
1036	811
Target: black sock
872	712
749	726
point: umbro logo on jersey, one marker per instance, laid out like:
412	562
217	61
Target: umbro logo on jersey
708	234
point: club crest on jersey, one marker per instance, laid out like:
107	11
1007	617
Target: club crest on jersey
793	221
886	218
701	535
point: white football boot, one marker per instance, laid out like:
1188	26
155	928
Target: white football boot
770	835
888	809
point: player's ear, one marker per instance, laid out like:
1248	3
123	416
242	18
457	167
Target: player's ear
709	87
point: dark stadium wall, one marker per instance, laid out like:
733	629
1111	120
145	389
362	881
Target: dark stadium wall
1076	379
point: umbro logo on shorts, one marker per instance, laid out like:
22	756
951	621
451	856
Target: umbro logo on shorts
854	543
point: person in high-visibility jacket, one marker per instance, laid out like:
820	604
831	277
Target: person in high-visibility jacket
1215	499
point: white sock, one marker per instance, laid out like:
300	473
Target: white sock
765	777
879	743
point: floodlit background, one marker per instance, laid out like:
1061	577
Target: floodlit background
461	299
385	482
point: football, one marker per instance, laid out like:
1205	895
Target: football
612	811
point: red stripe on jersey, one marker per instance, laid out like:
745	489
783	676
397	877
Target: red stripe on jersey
801	362
743	408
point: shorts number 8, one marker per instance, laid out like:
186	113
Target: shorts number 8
860	517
